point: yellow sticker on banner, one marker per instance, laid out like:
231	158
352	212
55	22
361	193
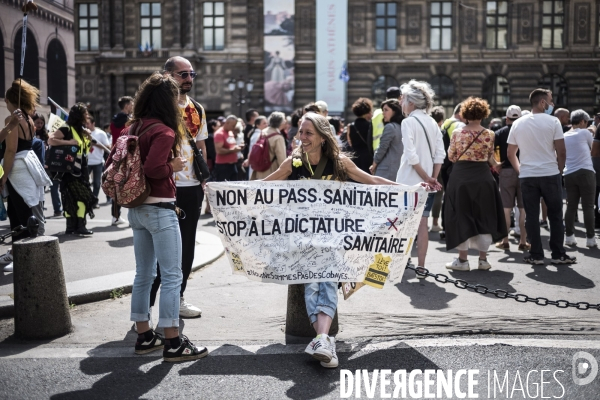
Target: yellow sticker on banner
378	271
237	262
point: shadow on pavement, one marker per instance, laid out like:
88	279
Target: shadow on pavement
124	242
425	294
561	275
309	379
62	237
111	228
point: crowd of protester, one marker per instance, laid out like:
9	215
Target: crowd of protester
487	181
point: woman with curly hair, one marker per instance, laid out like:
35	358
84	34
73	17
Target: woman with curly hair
24	178
77	197
319	148
473	212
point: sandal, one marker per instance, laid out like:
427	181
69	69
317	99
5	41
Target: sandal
503	246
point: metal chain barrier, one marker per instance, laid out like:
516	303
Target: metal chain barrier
503	294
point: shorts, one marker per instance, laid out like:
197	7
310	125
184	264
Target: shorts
428	205
510	187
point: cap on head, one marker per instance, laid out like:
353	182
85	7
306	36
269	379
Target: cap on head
393	92
513	112
322	105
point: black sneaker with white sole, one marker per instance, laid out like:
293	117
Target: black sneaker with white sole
533	261
143	346
186	351
564	259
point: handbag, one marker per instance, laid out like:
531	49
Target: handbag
200	167
64	159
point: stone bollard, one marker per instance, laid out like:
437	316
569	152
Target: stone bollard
41	303
297	324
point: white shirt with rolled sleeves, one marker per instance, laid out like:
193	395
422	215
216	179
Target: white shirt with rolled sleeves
578	143
417	149
535	134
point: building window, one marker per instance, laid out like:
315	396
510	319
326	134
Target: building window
385	26
558	85
88	26
443	87
497	24
214	25
441	25
56	73
553	24
496	91
380	86
150	23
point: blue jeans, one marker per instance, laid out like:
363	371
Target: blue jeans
156	237
55	196
96	171
550	189
320	297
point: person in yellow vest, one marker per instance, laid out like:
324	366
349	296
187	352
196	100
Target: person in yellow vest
377	121
77	197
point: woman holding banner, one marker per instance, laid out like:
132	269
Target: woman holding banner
319	157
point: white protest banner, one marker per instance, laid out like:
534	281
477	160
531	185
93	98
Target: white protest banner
292	232
54	122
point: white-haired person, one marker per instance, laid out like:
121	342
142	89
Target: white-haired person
423	151
319	146
580	178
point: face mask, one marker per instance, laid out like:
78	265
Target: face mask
549	109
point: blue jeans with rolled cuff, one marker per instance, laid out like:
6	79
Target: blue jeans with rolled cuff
320	297
156	237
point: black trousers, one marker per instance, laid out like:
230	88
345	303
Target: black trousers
18	212
189	199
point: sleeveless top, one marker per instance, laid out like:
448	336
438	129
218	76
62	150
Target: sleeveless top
24	144
302	172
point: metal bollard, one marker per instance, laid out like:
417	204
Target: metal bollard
41	302
297	324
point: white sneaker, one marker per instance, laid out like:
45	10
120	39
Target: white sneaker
457	265
6	258
484	265
117	221
435	228
8	268
570	241
334	358
591	242
421	276
319	348
186	310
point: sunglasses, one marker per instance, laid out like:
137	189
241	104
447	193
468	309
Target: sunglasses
185	74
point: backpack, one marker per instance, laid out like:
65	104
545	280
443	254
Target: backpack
124	180
259	158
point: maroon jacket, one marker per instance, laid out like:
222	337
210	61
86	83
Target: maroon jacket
155	150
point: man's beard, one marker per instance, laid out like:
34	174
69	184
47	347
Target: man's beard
185	89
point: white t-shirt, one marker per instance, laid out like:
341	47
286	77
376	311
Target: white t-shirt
535	134
578	143
187	177
96	155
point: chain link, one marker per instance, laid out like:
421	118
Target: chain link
503	294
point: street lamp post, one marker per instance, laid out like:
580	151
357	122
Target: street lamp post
240	97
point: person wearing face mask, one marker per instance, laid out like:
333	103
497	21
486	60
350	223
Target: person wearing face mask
539	138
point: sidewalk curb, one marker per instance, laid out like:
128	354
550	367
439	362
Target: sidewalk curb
8	310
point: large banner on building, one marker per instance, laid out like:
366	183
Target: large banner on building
332	52
279	55
291	232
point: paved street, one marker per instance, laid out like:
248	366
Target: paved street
409	325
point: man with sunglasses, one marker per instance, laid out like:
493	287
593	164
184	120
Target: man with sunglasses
189	189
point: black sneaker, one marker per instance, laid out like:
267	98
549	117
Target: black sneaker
187	351
156	343
543	223
533	261
564	259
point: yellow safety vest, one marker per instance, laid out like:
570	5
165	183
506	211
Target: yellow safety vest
377	123
84	143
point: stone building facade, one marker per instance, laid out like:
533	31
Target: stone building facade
499	50
50	55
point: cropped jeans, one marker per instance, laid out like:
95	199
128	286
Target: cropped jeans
320	297
156	237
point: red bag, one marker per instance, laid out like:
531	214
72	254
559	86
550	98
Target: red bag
259	158
124	180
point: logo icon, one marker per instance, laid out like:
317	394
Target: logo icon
582	368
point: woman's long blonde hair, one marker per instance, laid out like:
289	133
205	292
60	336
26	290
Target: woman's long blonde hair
29	96
330	148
